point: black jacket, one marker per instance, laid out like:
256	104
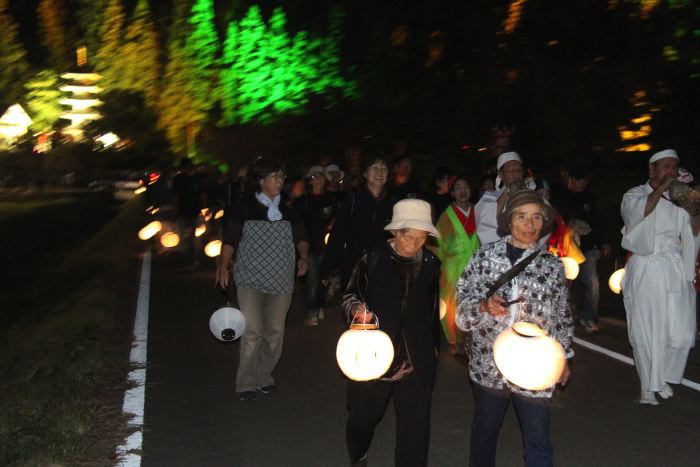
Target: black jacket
375	282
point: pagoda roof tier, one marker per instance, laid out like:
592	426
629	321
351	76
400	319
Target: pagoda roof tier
82	76
77	89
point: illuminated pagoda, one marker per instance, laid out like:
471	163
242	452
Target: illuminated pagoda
83	90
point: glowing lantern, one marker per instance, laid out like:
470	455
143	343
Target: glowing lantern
615	281
199	231
219	214
227	324
528	357
213	248
170	240
570	267
325	239
150	230
140	190
443	308
364	352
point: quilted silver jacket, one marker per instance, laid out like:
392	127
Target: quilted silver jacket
546	293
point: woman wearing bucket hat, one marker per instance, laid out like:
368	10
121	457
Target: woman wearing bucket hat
508	280
397	282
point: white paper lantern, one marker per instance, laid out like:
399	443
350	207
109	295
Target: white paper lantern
364	352
213	248
570	267
615	281
170	239
227	324
199	231
528	357
150	230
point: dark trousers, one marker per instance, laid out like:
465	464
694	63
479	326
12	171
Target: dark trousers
367	402
490	407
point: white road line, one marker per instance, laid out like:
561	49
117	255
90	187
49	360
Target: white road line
135	398
625	359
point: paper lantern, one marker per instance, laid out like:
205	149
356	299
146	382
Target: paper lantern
199	231
443	308
170	239
213	248
219	214
364	352
150	230
615	281
528	357
325	238
570	267
227	324
140	190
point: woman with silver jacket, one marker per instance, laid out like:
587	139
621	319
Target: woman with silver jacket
538	293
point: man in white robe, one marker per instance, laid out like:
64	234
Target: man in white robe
510	169
657	287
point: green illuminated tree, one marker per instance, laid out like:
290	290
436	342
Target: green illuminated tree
200	49
13	65
139	55
266	73
228	79
108	60
42	100
53	32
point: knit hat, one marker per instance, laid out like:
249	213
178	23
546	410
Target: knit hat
412	214
521	198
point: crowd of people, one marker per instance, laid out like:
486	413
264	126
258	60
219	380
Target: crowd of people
452	259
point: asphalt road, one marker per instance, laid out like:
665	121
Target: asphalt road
193	416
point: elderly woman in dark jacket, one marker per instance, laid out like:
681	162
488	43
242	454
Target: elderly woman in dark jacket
485	314
263	231
398	282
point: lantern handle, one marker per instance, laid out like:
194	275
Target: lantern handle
370	325
224	292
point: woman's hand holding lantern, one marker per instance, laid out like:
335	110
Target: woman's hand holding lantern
361	315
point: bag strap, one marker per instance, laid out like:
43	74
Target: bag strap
511	273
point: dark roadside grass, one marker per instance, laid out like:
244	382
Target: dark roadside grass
66	333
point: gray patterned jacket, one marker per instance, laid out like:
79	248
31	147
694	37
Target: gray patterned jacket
542	283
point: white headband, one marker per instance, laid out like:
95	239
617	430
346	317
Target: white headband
662	155
507	157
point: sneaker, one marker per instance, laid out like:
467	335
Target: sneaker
309	322
267	389
666	392
648	398
589	325
247	396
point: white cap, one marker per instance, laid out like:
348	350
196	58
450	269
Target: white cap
315	170
663	155
334	168
507	157
412	214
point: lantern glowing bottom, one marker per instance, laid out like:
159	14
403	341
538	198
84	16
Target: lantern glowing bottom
227	324
364	353
528	357
615	281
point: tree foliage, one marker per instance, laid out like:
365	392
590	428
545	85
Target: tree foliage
54	35
42	99
139	55
109	60
267	72
13	65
